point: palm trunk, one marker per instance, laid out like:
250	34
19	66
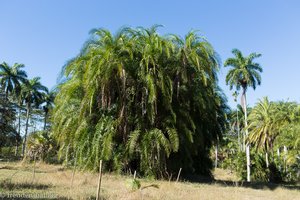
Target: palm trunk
45	120
103	104
238	128
285	158
17	147
19	131
124	111
6	94
278	155
244	142
26	129
267	160
244	103
216	154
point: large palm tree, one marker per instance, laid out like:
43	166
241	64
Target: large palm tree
32	92
11	77
244	73
139	99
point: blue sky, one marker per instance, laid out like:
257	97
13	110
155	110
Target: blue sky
43	35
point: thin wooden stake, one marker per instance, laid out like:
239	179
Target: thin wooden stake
73	174
99	181
74	170
178	174
170	178
33	177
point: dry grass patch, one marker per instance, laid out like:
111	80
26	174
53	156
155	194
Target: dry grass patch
55	179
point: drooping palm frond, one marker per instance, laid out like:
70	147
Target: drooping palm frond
136	99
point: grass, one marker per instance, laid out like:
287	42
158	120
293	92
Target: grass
54	182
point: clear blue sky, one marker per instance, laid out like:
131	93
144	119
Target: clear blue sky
43	35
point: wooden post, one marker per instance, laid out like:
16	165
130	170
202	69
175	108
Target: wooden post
74	169
73	174
99	181
178	174
34	161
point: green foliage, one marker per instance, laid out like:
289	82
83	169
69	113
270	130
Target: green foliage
274	125
273	129
133	184
8	134
32	93
244	71
11	77
16	90
264	123
140	101
237	162
42	146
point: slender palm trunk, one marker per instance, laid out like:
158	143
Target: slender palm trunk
216	154
284	158
45	120
279	161
26	129
19	131
238	128
103	104
244	103
123	115
17	146
6	94
267	159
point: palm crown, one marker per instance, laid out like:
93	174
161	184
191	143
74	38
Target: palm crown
33	91
11	77
244	71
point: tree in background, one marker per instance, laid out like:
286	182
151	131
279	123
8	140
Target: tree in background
32	92
11	78
8	135
263	126
244	73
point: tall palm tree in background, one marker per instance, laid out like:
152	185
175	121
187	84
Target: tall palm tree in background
244	73
20	102
11	77
32	92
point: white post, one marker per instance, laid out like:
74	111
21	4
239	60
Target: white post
178	175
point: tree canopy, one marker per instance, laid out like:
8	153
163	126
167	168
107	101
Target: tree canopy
139	100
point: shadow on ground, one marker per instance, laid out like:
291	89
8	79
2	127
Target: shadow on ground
252	185
27	198
8	185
